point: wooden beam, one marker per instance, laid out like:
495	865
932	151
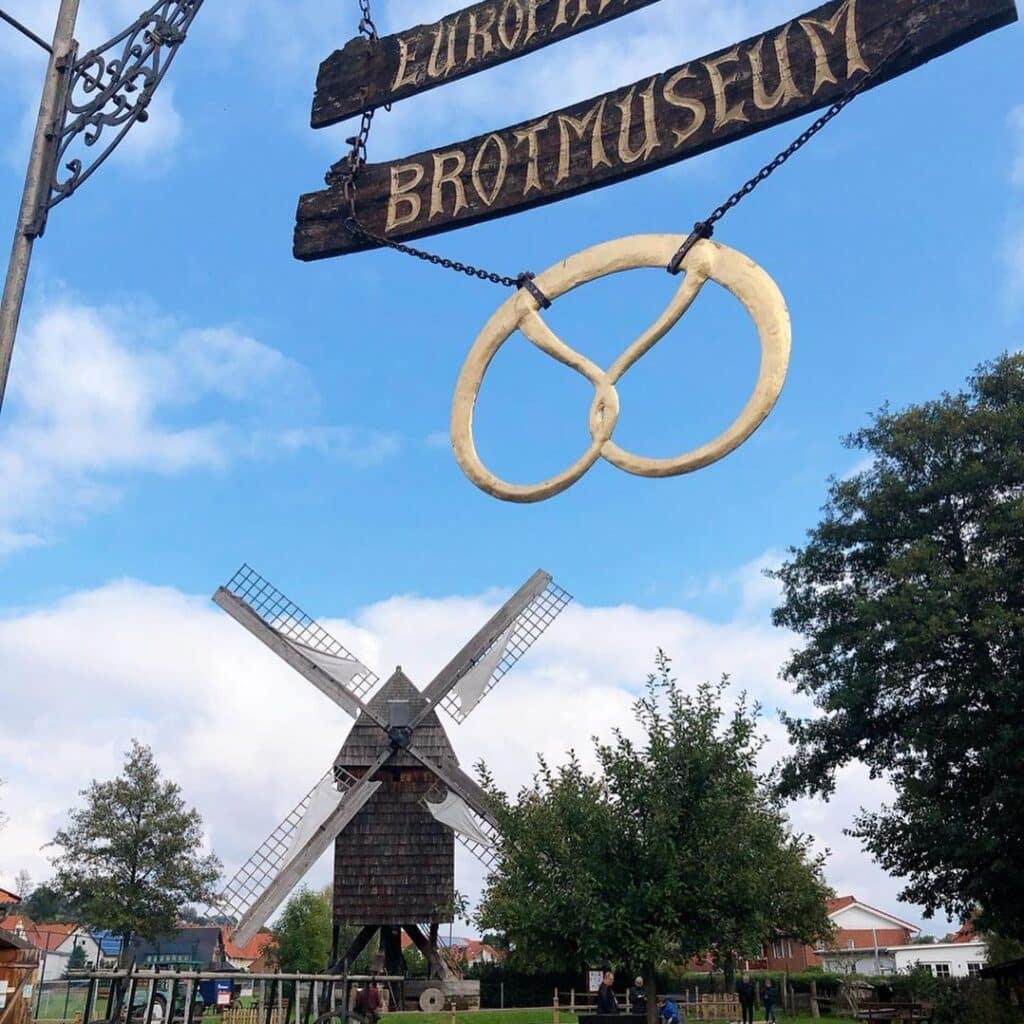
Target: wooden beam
364	75
794	69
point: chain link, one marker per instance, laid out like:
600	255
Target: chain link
706	228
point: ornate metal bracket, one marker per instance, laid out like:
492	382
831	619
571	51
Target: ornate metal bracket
108	90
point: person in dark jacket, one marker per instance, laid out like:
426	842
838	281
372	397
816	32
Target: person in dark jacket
606	1002
746	991
769	996
638	998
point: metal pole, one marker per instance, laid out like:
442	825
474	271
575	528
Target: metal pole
48	123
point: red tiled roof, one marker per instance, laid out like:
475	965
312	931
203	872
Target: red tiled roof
965	933
838	903
48	936
7	897
252	950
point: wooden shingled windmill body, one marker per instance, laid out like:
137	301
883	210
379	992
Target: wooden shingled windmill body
395	799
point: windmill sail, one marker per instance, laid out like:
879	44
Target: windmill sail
302	632
511	632
454	812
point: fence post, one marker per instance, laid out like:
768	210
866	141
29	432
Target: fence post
554	1008
453	1006
815	1012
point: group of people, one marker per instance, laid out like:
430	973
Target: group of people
668	1011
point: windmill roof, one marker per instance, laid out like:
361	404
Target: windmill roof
366	739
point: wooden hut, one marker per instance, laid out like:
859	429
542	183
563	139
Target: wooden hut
19	966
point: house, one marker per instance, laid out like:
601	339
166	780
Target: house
464	951
862	934
8	898
192	947
251	957
19	961
863	938
942	959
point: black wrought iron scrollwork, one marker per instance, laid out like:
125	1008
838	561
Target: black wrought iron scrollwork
111	87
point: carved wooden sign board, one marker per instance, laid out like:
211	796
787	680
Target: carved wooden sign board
801	66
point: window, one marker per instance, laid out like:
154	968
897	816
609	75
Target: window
942	970
927	967
973	970
778	950
850	944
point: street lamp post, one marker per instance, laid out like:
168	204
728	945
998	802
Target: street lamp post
85	101
51	106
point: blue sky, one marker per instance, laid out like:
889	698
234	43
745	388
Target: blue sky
185	396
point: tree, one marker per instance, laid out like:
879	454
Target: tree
46	905
76	961
302	937
23	884
302	940
131	856
909	596
673	847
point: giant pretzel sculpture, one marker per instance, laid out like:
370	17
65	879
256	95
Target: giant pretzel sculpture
706	261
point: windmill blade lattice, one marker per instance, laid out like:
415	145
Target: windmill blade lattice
286	618
253	877
526	630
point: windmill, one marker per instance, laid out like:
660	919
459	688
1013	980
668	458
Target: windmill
395	799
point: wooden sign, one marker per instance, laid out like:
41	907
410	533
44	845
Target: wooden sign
363	75
789	71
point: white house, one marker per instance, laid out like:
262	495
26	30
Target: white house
864	938
943	959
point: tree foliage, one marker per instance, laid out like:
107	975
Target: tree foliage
909	595
131	856
674	846
302	936
44	904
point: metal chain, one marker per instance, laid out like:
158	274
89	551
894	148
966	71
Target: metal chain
701	230
706	228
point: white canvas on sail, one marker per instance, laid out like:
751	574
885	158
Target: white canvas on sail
454	812
471	687
323	802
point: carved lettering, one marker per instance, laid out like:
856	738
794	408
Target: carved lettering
510	39
695	106
450	64
529	136
403	193
562	17
451	177
627	154
406	56
724	114
823	74
591	121
787	88
531	19
488	197
483	33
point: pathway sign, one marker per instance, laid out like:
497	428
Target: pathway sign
802	66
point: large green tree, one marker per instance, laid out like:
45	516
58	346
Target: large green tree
909	596
675	846
131	856
303	935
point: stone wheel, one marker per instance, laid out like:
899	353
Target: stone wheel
431	1000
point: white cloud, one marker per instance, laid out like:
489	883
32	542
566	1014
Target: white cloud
99	394
246	737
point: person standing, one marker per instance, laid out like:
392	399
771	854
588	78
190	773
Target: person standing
606	1001
638	998
769	996
746	992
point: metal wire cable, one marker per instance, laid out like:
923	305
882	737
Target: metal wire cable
25	31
